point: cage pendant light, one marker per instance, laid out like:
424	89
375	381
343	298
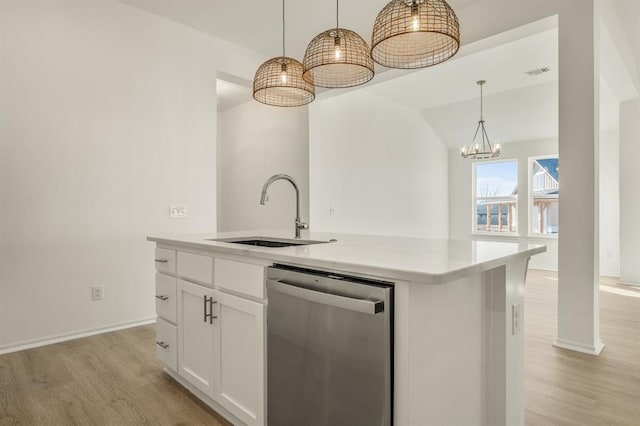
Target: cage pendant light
279	81
337	58
411	34
480	150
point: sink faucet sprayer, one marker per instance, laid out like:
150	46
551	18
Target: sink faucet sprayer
263	199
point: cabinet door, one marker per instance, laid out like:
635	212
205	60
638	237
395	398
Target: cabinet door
239	364
195	336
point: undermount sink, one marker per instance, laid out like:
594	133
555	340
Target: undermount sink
267	241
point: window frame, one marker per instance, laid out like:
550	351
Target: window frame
474	200
530	218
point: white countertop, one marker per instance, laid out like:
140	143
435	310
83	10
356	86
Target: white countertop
430	261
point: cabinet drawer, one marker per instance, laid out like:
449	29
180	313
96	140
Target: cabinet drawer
240	277
165	261
166	297
195	267
166	348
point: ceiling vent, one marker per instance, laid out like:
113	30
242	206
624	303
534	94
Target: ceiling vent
538	71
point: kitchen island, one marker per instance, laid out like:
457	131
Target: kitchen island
458	338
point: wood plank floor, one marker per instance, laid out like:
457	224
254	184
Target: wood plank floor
568	388
114	379
109	379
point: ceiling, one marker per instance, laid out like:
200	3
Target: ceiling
257	24
517	106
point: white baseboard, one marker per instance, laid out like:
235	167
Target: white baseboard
629	283
540	268
578	347
29	344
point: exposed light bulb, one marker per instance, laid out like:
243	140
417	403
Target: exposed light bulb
415	17
337	52
283	76
415	22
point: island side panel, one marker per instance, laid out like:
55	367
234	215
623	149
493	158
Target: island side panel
506	343
401	339
441	353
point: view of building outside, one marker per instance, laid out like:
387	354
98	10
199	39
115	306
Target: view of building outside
496	197
545	192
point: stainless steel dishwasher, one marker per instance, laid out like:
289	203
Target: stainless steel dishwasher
329	349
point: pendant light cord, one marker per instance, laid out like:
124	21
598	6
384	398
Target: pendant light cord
481	104
337	13
283	51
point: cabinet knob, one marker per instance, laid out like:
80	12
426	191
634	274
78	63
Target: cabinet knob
162	297
163	345
161	260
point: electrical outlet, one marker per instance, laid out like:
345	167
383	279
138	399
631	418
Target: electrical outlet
178	212
516	319
97	292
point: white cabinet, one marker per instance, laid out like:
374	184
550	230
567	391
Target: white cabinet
166	332
240	353
214	340
165	261
166	347
195	335
166	297
195	267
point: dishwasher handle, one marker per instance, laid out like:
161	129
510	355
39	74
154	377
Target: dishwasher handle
365	306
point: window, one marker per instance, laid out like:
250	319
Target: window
544	199
496	197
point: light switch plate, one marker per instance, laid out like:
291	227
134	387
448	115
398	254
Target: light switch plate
178	212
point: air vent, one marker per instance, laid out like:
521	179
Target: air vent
538	71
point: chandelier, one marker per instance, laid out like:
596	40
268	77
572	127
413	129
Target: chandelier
480	150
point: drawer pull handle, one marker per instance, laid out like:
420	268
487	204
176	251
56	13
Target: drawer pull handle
162	297
163	345
161	260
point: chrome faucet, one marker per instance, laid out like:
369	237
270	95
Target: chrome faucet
263	199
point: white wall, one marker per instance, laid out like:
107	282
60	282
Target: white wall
609	204
461	191
108	118
629	192
257	141
378	165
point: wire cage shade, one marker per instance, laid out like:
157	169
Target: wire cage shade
338	58
411	34
279	82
